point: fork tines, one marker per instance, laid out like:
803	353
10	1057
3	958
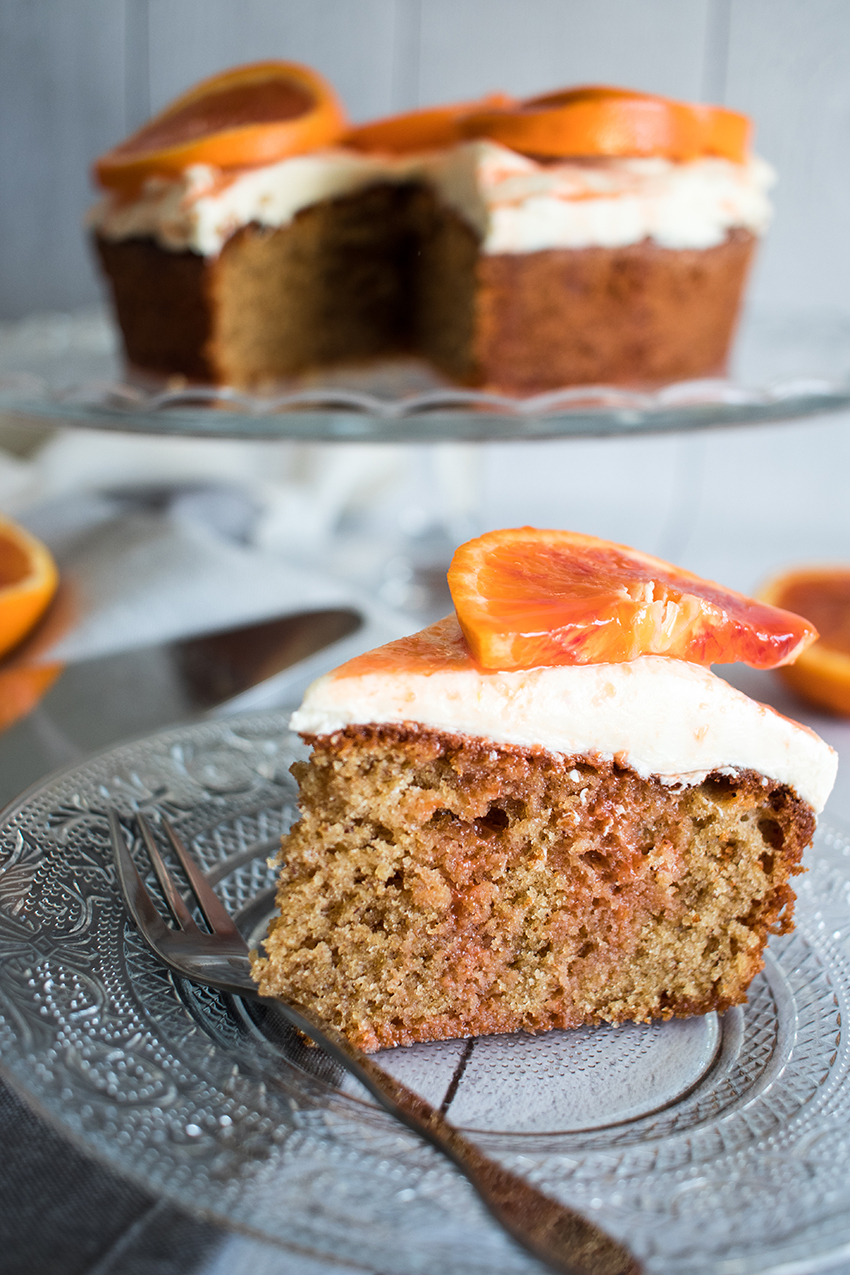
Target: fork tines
216	916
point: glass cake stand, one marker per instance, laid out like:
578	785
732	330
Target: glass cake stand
65	369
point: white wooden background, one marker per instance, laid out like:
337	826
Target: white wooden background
76	75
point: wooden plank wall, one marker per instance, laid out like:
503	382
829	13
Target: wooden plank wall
76	75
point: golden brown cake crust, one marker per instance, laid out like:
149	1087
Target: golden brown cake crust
440	885
640	314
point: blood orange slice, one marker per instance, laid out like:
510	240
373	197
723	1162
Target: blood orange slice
822	594
249	115
595	120
527	598
429	128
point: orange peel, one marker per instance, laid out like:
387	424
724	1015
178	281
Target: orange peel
595	120
28	580
246	116
821	674
527	597
430	128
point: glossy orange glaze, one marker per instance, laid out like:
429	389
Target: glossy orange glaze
527	598
433	650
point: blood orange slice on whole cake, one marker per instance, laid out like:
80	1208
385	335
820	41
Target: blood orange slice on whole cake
255	114
596	120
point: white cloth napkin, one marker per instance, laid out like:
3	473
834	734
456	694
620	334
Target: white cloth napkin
161	538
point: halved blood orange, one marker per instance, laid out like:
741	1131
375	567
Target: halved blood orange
28	580
822	594
430	128
527	598
245	116
595	120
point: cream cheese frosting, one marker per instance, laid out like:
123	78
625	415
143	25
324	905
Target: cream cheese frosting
513	203
661	716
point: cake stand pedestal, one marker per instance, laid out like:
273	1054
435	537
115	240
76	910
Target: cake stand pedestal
63	371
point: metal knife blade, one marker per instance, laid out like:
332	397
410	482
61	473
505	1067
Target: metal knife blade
99	701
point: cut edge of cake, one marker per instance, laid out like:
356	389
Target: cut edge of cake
442	882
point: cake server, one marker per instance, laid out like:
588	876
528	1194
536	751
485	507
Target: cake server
558	1236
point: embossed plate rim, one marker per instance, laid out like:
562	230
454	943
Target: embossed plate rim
367	1166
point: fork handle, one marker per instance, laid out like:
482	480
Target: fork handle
562	1238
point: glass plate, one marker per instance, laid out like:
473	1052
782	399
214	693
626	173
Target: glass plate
65	369
709	1145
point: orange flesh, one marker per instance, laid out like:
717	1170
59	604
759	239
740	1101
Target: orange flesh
235	107
28	580
528	598
14	563
826	602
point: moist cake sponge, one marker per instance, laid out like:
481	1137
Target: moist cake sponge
442	885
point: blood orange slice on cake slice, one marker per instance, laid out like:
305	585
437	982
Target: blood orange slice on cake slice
527	598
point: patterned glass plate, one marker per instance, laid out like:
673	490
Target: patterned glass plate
64	369
709	1145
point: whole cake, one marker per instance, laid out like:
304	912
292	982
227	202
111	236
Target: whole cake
591	236
538	845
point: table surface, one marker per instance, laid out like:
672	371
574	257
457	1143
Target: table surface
734	505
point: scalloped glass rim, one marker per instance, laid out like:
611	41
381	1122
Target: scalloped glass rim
65	369
746	1171
325	414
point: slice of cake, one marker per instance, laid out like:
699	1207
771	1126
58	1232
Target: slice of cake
494	239
485	850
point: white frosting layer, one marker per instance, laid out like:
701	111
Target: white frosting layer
660	716
198	212
514	203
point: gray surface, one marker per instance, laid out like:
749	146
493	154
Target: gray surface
91	1222
62	102
734	506
75	77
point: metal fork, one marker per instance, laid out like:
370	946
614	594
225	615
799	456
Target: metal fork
558	1236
